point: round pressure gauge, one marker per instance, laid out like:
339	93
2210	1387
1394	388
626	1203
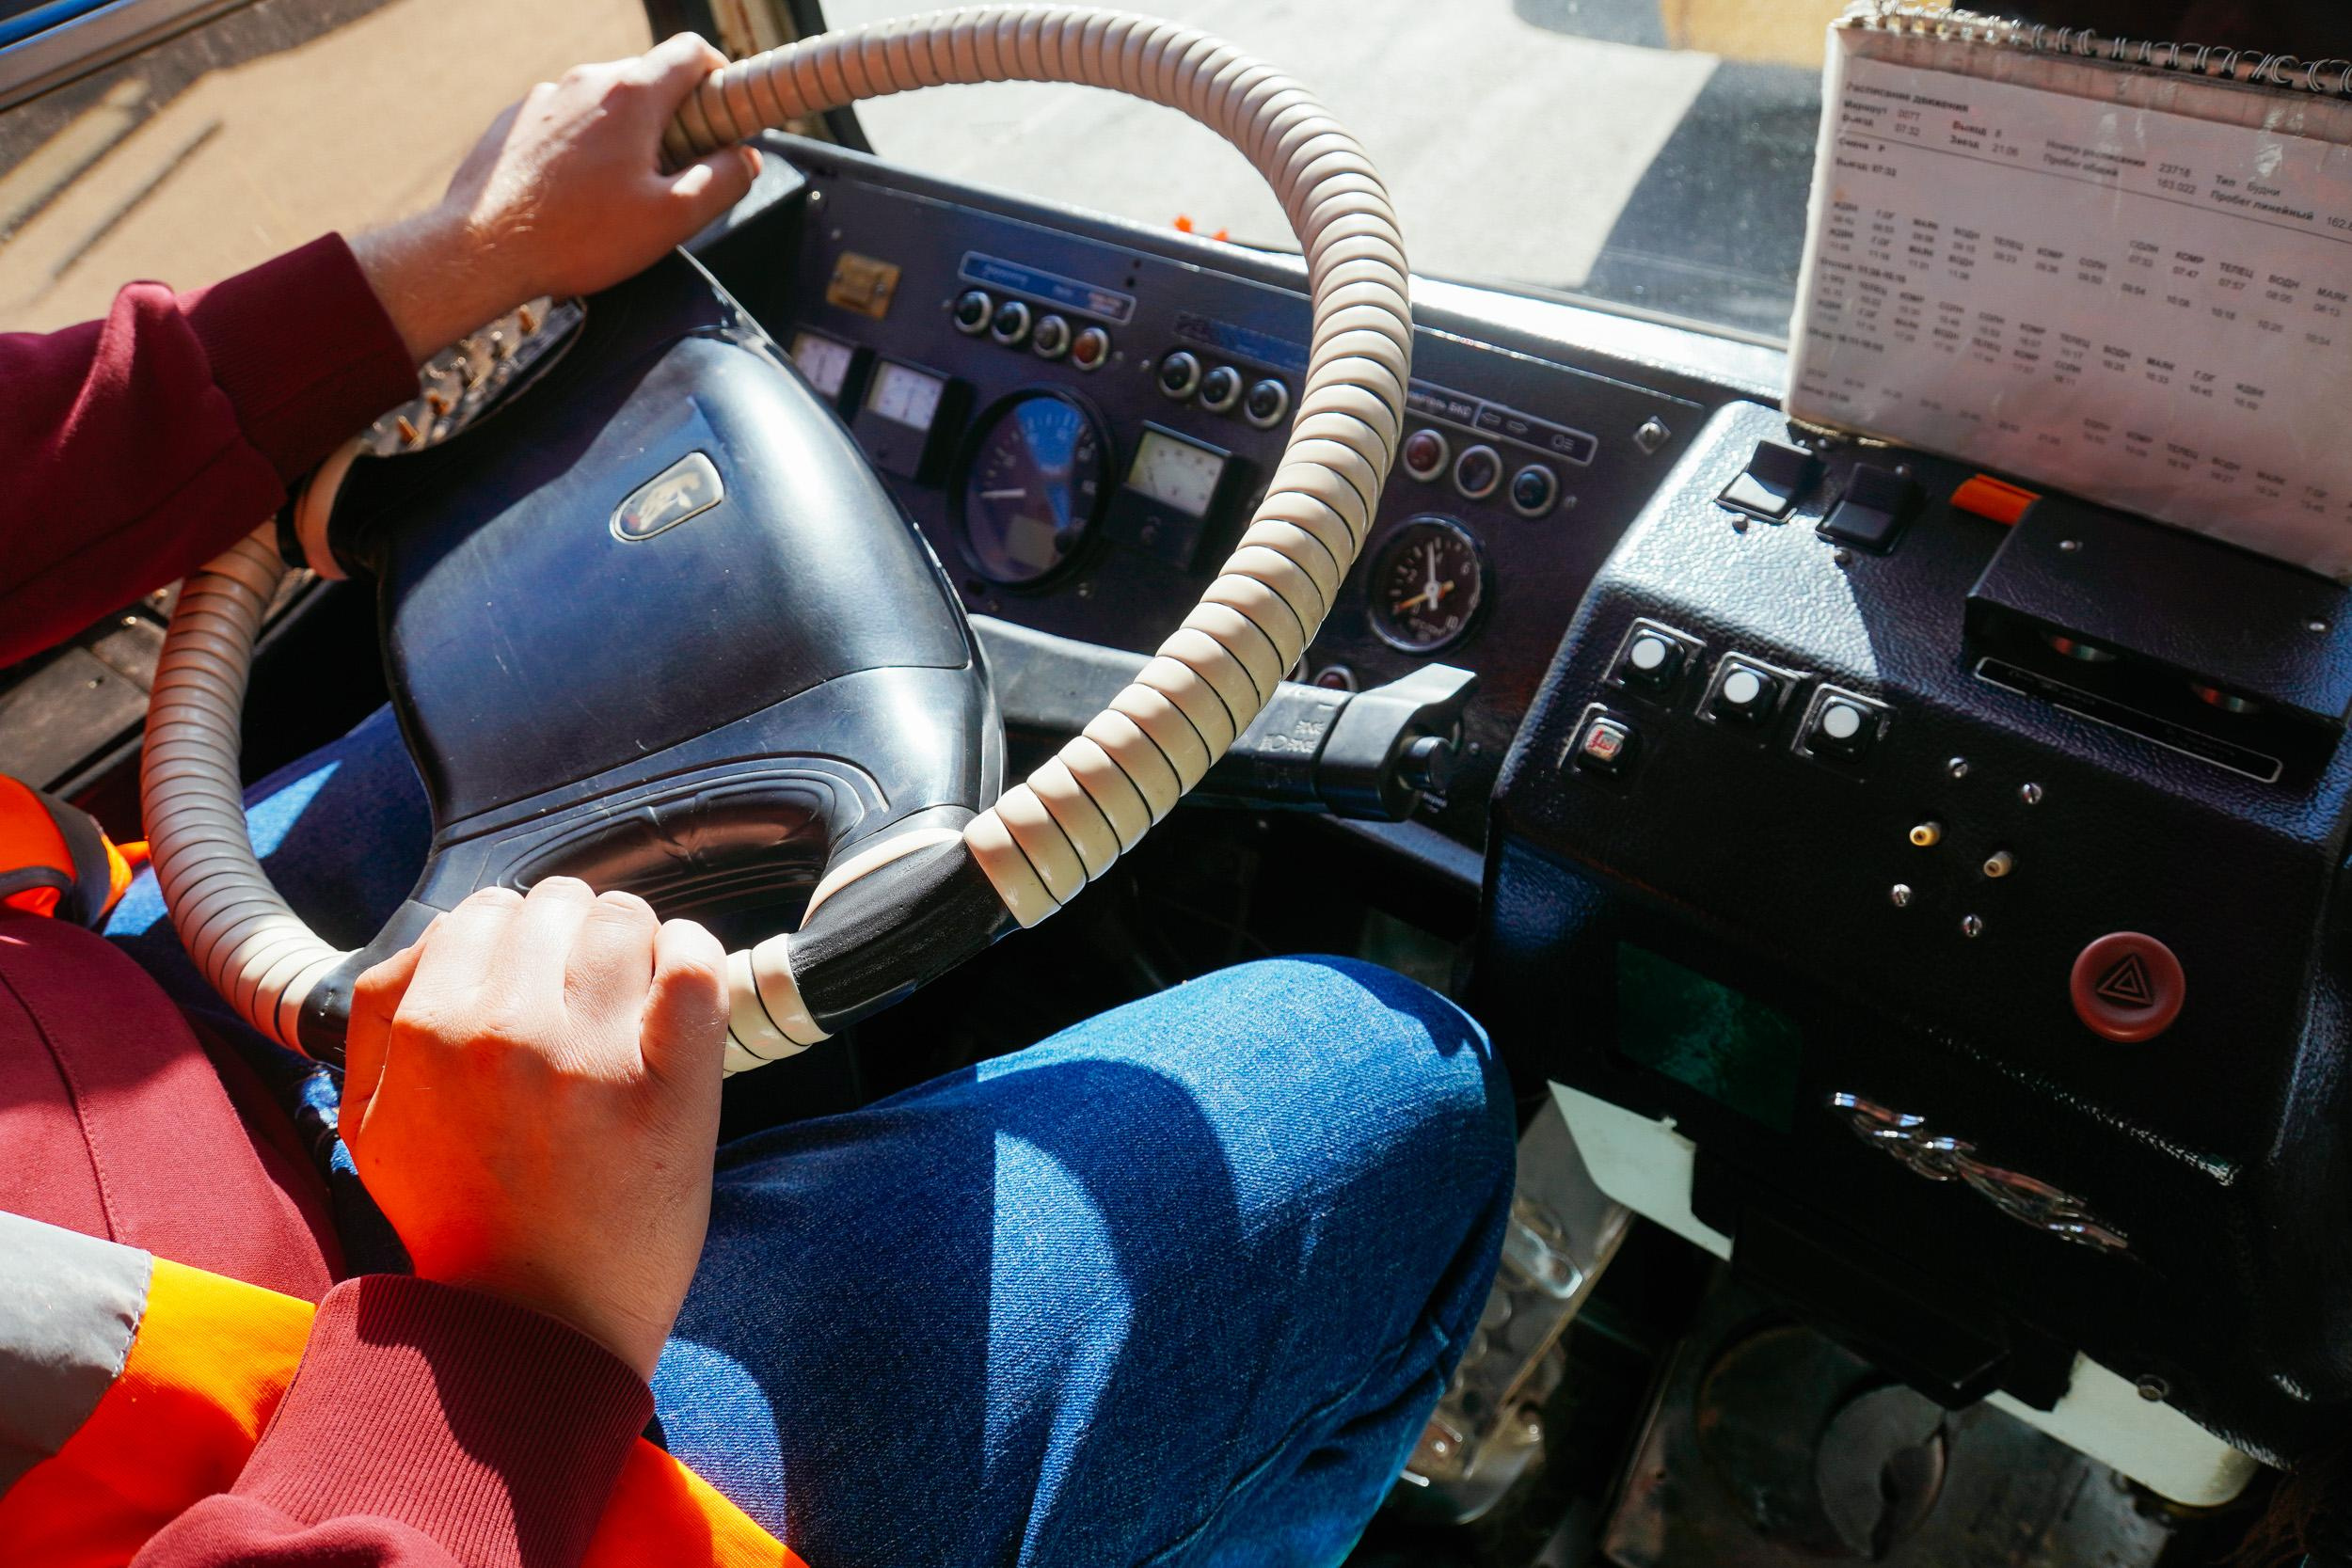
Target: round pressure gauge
1037	470
1426	584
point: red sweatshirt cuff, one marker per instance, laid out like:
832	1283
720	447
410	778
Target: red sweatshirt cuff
304	350
488	1427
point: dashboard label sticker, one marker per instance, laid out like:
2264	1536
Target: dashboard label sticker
1241	342
1071	293
1432	402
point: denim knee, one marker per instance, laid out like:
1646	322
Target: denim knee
1417	1088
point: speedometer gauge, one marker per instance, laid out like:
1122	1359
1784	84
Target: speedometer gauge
1031	486
1426	585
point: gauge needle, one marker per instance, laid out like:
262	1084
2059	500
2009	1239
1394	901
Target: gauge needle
1004	495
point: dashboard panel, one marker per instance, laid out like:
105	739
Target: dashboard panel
1081	416
1918	814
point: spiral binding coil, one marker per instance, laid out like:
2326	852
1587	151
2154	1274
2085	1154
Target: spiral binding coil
2329	78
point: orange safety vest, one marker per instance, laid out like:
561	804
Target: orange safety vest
133	1387
54	860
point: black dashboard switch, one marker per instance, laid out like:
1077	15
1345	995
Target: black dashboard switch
1268	400
1477	471
1604	745
1843	727
1009	325
973	308
1220	388
1050	338
1652	660
1775	476
1878	501
1745	694
1533	489
1180	375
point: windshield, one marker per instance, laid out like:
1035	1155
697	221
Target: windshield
263	127
1649	153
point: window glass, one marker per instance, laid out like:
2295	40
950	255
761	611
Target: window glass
262	129
1653	152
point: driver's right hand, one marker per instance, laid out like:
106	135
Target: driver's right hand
532	1097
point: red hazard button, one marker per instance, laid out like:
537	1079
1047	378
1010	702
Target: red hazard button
2128	987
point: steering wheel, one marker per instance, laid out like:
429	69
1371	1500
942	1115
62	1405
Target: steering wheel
777	686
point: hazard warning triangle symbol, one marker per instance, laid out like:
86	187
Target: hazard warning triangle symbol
2127	984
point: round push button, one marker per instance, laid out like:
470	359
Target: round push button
1425	454
1477	471
1533	489
1009	325
2127	986
973	310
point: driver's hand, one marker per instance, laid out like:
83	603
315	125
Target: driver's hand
563	194
532	1096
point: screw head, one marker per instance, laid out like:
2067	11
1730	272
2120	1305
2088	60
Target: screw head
2029	793
1899	895
2154	1388
1738	524
1971	927
2070	546
1957	768
1841	555
2314	626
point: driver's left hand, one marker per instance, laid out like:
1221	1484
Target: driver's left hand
563	194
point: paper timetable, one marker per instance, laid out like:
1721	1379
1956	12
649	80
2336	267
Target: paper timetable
2027	263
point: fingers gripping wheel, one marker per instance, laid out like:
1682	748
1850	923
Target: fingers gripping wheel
885	920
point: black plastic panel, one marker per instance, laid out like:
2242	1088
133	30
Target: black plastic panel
2212	1146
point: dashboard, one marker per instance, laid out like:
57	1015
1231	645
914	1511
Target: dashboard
1081	416
1825	801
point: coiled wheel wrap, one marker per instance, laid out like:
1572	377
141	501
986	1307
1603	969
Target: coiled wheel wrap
903	915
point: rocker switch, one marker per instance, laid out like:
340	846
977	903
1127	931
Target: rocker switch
1878	501
1775	476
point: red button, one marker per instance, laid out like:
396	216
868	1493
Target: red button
2128	987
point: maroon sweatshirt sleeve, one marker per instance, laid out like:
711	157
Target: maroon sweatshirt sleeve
137	448
428	1427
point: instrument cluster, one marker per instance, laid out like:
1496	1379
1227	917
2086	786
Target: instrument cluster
1081	416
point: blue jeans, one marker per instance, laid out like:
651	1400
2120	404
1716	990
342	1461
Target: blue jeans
1179	1285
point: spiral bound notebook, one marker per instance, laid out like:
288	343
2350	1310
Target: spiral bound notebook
2114	267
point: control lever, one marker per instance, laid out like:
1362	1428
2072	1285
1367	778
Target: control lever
1366	754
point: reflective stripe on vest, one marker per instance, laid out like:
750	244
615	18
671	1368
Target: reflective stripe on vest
133	1387
54	860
